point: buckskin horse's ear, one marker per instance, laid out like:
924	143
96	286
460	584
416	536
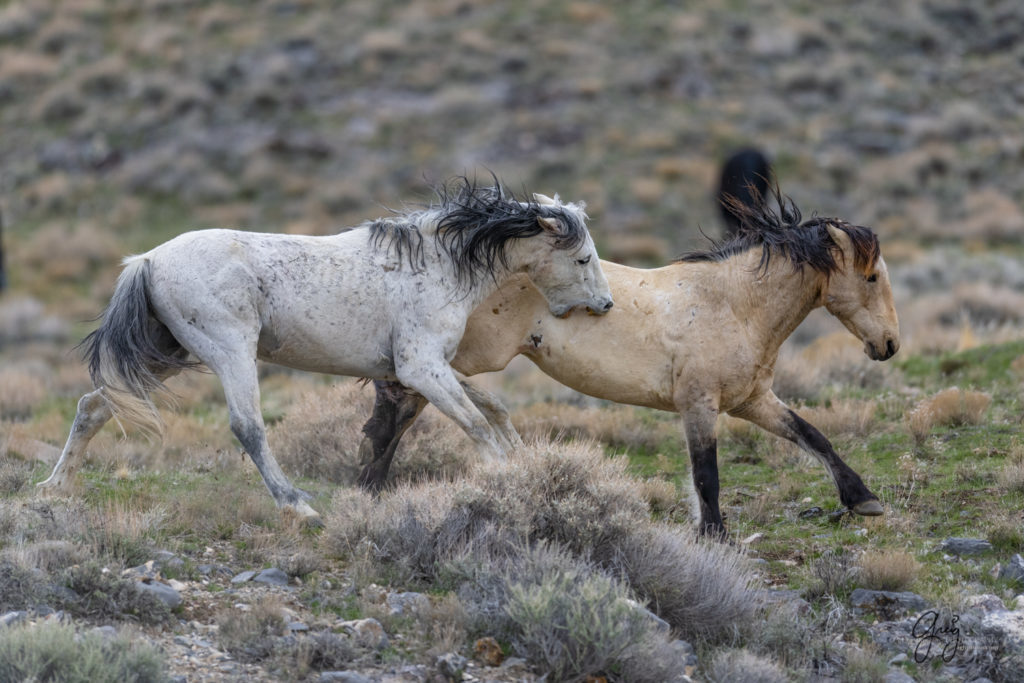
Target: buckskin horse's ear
841	239
549	224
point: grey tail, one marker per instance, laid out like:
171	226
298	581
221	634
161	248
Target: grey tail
132	352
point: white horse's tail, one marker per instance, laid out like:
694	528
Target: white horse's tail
131	352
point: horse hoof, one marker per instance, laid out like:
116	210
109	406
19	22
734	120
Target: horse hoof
868	508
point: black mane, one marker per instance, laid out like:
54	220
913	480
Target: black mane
474	225
779	230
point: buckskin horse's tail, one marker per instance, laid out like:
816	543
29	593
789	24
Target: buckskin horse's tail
132	352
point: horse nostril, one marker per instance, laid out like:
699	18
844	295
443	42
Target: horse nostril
890	349
608	306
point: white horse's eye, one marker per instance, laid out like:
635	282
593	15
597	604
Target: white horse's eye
583	261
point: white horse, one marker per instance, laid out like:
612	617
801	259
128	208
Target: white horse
699	337
388	300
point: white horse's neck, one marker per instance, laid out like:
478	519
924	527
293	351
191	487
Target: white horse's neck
771	301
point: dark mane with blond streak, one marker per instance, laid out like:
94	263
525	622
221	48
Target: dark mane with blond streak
780	230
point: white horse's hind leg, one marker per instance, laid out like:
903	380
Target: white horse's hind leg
241	390
93	413
496	414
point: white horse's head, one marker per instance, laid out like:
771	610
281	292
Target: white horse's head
567	277
860	296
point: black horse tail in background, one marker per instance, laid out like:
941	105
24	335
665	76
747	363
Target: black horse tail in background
744	173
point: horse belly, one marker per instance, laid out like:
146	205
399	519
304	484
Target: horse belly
330	346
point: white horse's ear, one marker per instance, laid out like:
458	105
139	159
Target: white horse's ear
549	224
544	200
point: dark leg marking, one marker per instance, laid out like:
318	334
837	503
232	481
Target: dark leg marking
394	411
853	493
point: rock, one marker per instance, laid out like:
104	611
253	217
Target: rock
367	632
488	652
897	676
1013	570
753	538
165	559
106	632
243	577
683	652
1007	626
811	512
343	677
451	666
13	618
165	593
271	577
898	659
983	604
407	603
778	596
966	546
886	604
297	626
214	570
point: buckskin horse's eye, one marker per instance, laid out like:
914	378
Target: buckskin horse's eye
583	261
873	277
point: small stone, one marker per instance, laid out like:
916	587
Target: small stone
407	603
367	632
811	512
271	577
966	546
451	665
214	570
165	593
343	677
1013	570
243	577
512	662
13	618
488	652
898	659
297	626
177	585
752	538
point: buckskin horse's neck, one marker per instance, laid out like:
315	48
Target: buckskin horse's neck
771	302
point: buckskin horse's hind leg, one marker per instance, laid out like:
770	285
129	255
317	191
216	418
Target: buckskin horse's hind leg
396	408
394	411
773	415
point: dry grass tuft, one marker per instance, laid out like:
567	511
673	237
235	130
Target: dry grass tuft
619	426
950	407
743	665
21	392
842	417
251	635
888	570
833	360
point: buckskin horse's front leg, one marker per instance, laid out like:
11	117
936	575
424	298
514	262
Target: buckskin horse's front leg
699	419
768	412
394	411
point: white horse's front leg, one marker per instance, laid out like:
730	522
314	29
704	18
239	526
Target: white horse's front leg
496	414
93	413
435	380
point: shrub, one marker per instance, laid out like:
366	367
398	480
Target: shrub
887	570
568	496
253	635
571	621
742	665
54	652
20	588
103	596
835	574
